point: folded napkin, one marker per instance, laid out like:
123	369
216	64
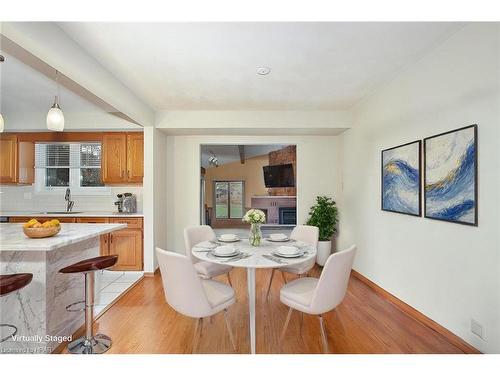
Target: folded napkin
207	245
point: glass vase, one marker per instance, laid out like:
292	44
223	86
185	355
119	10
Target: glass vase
255	235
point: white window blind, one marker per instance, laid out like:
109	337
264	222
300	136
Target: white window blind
68	155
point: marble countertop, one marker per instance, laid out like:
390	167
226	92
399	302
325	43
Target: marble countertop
12	237
74	214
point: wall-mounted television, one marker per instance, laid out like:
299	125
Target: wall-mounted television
279	176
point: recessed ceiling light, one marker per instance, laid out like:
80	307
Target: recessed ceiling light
263	70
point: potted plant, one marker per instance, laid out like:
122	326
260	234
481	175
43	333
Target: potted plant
324	216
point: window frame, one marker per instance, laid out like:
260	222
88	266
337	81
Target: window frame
74	178
228	182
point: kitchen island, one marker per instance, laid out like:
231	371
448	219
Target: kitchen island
39	310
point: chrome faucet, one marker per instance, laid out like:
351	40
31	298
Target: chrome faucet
67	198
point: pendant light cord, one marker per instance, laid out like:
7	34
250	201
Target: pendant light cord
57	88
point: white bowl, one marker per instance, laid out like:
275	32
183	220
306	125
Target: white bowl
228	237
288	250
224	250
278	236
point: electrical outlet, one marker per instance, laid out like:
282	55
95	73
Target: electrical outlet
27	195
476	328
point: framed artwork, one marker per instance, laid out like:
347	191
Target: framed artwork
401	179
450	176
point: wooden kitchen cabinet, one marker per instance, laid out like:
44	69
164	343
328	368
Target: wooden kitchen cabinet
17	160
135	157
114	158
127	244
123	158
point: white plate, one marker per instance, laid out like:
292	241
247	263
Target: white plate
228	241
288	250
282	240
236	252
298	255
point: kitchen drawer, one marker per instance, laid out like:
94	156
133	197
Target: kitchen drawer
24	219
92	220
132	222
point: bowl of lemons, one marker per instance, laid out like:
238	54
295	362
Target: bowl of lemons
35	229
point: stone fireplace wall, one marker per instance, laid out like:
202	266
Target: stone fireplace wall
287	155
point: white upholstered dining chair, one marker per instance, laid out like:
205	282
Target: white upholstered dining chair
190	295
207	270
318	296
303	233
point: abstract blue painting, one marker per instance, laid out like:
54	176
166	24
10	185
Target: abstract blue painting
401	179
450	169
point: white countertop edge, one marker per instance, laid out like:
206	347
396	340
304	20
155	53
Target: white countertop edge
80	214
37	244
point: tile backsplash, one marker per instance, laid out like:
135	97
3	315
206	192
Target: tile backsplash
24	198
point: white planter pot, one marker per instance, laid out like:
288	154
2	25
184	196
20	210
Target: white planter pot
324	249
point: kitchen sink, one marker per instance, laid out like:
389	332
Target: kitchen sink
60	212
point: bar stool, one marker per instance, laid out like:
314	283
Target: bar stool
90	343
10	284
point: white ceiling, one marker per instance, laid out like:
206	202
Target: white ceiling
212	66
230	153
24	89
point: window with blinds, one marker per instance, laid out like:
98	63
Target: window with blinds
69	164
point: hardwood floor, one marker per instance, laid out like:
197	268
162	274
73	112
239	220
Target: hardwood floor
142	322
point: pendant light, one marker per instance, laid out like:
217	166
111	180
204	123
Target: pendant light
55	117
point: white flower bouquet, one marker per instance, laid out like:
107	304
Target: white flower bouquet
254	216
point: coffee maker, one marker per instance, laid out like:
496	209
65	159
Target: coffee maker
126	203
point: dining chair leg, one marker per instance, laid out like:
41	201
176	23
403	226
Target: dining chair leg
229	279
231	337
270	282
196	336
323	334
286	324
301	322
283	276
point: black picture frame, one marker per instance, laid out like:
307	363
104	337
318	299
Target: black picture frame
476	201
419	142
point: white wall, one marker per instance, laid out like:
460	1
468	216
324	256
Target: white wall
317	174
155	199
449	272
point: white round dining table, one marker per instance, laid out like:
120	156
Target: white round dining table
255	257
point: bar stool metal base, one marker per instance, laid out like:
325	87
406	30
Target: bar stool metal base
98	344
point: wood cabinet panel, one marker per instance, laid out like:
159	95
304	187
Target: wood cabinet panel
104	246
8	159
127	244
26	164
25	219
92	220
114	157
135	157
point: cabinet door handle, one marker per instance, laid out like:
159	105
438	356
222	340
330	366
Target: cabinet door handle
111	239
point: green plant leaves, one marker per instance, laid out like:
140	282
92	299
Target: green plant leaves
324	216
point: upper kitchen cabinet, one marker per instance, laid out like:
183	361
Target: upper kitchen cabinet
17	160
114	157
122	158
135	157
